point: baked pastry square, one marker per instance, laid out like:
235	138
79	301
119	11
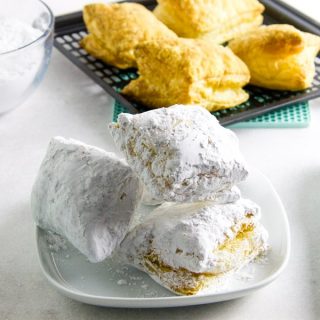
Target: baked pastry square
86	195
278	56
180	153
187	247
218	20
115	29
187	71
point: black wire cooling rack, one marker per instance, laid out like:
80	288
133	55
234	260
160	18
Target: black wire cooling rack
70	29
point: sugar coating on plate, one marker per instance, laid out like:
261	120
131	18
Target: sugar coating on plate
86	195
180	153
186	246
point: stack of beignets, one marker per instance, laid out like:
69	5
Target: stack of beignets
183	155
172	70
179	154
176	70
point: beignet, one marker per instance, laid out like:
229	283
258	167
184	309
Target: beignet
278	56
186	247
180	153
187	71
218	20
115	29
86	195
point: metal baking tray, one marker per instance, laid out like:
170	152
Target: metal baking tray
70	29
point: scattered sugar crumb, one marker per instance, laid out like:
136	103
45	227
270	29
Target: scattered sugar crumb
122	282
56	242
262	259
135	278
244	276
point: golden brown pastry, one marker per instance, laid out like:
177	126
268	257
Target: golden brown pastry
278	56
185	71
219	20
115	29
187	247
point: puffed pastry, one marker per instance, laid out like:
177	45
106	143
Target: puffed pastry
188	71
278	56
180	153
115	29
187	247
218	20
86	195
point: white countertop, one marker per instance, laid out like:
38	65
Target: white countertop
69	104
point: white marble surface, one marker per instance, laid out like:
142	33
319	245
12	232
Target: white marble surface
70	104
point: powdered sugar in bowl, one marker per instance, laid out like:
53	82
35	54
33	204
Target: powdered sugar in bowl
26	39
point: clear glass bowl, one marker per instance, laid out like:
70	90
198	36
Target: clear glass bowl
23	68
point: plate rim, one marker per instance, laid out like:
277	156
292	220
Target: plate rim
160	302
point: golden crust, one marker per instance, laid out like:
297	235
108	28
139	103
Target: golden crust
115	30
185	71
185	282
236	31
219	20
96	48
278	56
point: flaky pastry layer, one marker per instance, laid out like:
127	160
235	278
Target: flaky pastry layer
242	249
278	56
218	20
115	30
187	247
187	71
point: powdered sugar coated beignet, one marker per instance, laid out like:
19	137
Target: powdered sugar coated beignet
186	246
86	195
180	153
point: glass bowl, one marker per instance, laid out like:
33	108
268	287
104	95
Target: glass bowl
27	39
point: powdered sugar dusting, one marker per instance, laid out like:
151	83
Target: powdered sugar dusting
85	194
18	69
122	282
15	34
56	242
181	153
193	230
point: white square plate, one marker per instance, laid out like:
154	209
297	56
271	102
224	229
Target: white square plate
113	285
